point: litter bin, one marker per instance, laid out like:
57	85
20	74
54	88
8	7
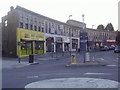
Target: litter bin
31	58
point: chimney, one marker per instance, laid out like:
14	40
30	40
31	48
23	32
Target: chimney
11	8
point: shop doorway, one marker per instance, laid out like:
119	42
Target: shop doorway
39	47
59	47
50	44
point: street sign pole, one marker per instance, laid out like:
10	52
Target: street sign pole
19	55
19	44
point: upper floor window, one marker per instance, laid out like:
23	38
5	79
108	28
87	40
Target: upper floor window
42	29
39	28
21	24
35	28
6	23
31	27
46	27
26	26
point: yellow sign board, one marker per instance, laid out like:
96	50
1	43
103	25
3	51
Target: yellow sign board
29	34
26	34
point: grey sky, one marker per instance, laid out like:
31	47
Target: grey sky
96	11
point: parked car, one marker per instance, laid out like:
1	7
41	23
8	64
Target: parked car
111	47
104	48
117	49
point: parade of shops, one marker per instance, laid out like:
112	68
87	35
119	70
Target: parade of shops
25	32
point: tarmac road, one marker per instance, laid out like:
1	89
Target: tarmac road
55	69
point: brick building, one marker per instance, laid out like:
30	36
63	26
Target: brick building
25	32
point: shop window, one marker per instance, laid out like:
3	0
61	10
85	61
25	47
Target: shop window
26	26
21	24
74	44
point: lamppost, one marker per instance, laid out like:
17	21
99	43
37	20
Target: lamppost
85	41
93	26
70	37
70	16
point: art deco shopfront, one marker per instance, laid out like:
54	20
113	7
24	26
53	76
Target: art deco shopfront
58	43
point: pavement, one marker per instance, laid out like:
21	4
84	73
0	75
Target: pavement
55	69
14	62
9	63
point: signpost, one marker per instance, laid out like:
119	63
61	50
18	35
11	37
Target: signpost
19	44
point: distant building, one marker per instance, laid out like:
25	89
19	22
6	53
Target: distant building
101	37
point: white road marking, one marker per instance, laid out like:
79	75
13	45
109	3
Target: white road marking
101	59
97	73
112	65
74	83
32	76
37	76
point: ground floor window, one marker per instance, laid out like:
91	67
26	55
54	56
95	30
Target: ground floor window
26	47
39	47
59	47
50	44
32	47
75	44
66	46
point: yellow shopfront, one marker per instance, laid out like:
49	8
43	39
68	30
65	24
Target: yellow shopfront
29	42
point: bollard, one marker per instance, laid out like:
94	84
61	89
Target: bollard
73	60
87	56
31	58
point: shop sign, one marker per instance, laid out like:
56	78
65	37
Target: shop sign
27	35
32	36
39	36
66	39
59	39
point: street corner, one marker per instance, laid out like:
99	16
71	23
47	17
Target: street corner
74	83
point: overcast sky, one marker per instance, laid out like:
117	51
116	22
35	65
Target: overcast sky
96	11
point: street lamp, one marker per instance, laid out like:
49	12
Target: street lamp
85	41
93	26
70	37
83	17
70	16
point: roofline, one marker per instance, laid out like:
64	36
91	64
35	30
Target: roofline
21	8
100	30
76	21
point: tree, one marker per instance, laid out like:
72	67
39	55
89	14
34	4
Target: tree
109	27
101	27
